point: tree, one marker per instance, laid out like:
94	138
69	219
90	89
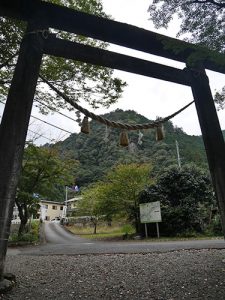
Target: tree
43	174
91	203
118	193
96	85
202	22
186	198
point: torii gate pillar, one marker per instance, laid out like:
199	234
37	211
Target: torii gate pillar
13	130
211	133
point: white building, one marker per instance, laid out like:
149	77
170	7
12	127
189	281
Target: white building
48	211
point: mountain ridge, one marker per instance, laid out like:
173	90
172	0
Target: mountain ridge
99	151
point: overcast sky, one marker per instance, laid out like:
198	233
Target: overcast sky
147	96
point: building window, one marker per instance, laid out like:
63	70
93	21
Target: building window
61	207
54	207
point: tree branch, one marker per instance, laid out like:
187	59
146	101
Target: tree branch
5	82
220	5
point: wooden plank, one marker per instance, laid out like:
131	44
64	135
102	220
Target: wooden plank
211	133
84	53
13	130
66	19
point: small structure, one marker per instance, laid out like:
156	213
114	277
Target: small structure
72	205
15	216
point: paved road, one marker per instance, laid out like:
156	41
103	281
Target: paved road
61	242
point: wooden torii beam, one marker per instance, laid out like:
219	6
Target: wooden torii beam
122	34
41	15
84	53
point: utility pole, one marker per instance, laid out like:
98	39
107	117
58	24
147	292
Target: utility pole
178	154
66	199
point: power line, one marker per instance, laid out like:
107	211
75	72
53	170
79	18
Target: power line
41	135
52	125
53	109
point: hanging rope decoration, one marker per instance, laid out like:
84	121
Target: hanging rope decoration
124	141
160	133
85	126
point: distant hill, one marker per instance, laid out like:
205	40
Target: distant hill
97	154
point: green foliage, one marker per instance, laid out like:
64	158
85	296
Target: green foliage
44	175
97	155
127	229
30	237
186	200
202	22
43	171
114	232
117	195
94	84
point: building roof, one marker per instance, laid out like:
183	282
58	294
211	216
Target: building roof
52	202
74	199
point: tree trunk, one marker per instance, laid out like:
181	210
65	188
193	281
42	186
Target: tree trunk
95	228
23	214
137	220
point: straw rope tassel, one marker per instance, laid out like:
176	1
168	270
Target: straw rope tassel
85	126
160	134
124	140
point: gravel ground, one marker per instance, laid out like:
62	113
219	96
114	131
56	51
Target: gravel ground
194	274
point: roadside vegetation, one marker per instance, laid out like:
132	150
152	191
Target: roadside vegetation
114	232
118	232
31	236
188	204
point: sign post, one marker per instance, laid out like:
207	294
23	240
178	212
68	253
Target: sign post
150	213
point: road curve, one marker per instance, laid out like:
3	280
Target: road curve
61	242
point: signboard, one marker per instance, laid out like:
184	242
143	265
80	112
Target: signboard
150	212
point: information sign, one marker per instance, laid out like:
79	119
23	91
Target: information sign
150	212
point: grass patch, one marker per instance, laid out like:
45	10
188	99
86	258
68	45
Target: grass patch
103	232
114	233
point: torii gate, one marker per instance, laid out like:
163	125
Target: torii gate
38	41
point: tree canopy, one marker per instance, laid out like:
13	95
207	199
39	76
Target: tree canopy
117	194
93	84
186	198
202	22
44	175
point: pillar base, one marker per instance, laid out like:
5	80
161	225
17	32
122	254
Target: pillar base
7	283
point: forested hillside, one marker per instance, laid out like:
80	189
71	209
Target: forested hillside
98	151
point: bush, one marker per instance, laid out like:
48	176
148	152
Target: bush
32	236
127	229
215	228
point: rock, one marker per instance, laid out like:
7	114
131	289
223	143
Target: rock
6	285
10	276
137	237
